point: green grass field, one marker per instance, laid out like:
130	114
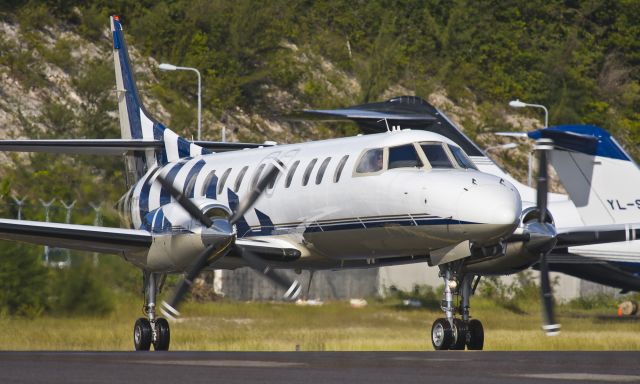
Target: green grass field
335	326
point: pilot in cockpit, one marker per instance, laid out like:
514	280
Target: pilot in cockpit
372	161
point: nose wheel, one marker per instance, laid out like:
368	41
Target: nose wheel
450	332
151	330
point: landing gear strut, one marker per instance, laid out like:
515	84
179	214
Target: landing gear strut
451	332
151	330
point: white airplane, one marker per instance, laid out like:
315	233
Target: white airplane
392	198
600	177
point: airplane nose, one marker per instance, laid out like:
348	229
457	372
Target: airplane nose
494	208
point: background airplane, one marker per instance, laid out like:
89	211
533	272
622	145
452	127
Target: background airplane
393	198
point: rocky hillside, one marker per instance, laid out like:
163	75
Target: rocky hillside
260	62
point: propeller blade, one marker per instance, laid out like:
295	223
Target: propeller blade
250	200
169	308
292	289
184	202
543	146
549	324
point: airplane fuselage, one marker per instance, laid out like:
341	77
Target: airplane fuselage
322	204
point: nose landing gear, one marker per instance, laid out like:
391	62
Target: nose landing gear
451	332
151	330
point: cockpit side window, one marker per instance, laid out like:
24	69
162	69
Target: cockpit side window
371	161
404	156
436	155
461	158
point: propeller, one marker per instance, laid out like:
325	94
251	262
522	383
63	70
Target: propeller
218	250
542	237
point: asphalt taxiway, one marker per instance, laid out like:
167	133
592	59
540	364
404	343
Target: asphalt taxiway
319	367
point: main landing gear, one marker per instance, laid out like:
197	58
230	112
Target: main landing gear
451	332
151	330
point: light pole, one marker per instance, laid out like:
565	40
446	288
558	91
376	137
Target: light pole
171	67
519	104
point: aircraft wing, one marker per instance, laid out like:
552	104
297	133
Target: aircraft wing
598	234
73	236
108	146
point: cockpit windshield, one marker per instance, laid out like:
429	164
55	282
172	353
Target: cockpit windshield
404	156
436	155
463	160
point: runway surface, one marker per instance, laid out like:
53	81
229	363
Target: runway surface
319	367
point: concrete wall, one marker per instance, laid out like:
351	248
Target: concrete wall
246	284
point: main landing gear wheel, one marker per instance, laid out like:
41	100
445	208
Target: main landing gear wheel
475	338
163	335
142	334
460	335
441	335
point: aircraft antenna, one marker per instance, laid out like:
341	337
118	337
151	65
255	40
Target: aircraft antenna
386	123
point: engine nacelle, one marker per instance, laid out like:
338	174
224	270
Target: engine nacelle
513	256
179	238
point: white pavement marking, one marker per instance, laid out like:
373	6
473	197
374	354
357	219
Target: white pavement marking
583	377
225	363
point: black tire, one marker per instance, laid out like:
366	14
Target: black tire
163	335
142	334
459	335
475	340
441	334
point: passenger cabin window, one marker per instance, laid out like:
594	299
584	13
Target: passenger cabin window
404	156
307	172
223	180
461	158
209	185
292	170
343	161
239	178
256	177
191	183
272	183
323	167
371	161
436	155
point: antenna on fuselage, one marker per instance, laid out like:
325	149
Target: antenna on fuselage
386	123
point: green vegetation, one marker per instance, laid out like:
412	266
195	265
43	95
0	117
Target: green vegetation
238	326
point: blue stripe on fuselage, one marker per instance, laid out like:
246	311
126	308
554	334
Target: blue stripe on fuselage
165	196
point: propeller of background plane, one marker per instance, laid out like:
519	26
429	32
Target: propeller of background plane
216	251
545	230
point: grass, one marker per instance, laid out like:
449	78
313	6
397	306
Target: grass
238	326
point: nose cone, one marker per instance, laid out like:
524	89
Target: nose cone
492	209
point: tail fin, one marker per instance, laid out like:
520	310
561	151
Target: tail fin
601	178
137	123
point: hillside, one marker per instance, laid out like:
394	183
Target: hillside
260	61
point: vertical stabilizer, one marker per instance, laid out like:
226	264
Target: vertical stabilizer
137	123
600	177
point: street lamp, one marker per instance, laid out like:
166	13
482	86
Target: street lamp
171	67
519	104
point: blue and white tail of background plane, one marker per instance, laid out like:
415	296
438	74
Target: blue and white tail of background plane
600	177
